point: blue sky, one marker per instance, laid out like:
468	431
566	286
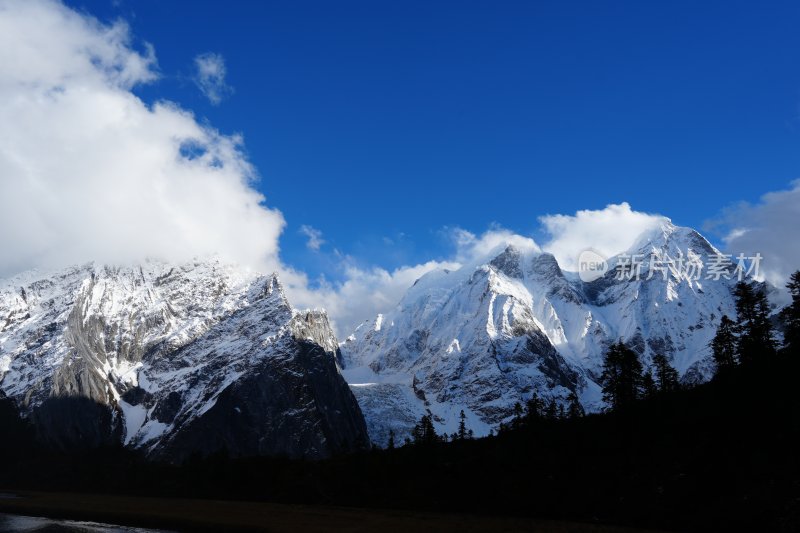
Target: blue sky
382	123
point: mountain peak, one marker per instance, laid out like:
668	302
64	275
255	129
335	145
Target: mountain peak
512	323
670	238
509	262
545	264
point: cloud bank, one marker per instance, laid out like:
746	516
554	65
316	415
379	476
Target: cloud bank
471	248
364	293
609	231
768	227
89	171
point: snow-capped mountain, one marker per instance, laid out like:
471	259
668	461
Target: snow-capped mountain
492	333
174	359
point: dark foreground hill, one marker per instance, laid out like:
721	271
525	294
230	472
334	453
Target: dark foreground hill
722	456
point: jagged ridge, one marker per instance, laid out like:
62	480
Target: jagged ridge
174	359
492	333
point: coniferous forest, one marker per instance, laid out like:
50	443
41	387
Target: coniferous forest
723	455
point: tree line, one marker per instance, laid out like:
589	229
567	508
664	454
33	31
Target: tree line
747	339
750	338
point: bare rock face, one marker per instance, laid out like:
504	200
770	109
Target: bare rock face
174	359
294	403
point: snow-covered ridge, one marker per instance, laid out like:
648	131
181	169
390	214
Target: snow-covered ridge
166	347
492	333
171	349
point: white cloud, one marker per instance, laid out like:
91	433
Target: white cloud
365	292
471	248
768	227
210	75
48	45
609	231
314	235
89	171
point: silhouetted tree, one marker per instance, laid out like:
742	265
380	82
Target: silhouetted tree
518	416
462	426
424	432
622	376
723	346
390	445
551	413
791	315
649	387
534	409
575	409
665	374
756	339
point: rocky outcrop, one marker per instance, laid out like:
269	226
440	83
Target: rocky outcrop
293	403
173	360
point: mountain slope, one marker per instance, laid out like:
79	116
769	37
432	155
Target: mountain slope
174	359
492	333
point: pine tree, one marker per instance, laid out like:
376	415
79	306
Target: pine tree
424	432
746	314
791	315
649	387
764	332
575	408
518	415
417	434
462	426
390	445
756	339
622	376
534	409
723	346
430	432
551	413
666	376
